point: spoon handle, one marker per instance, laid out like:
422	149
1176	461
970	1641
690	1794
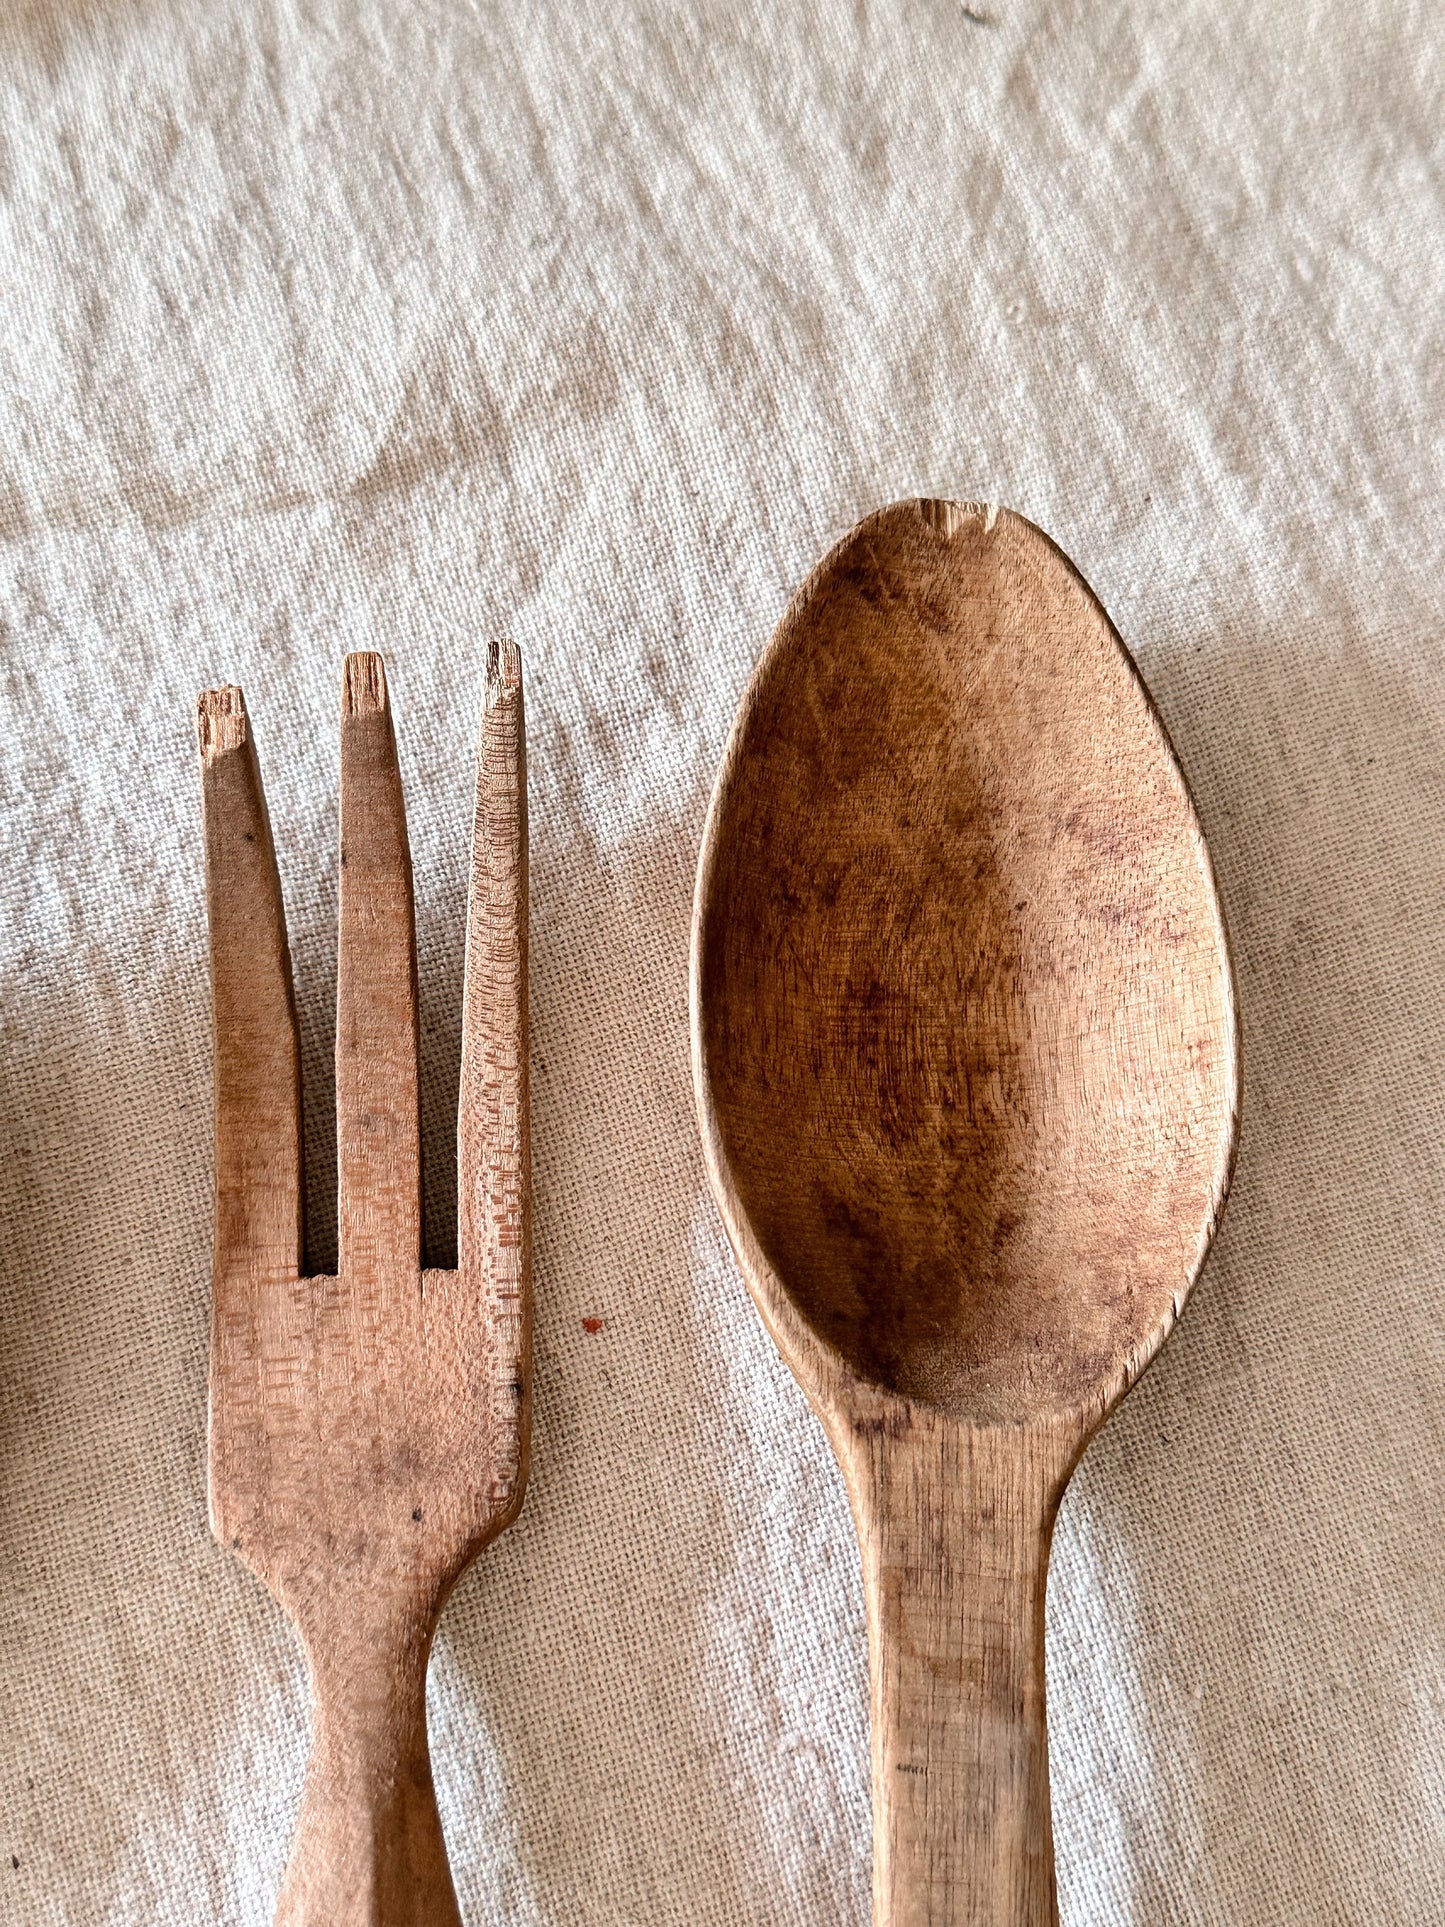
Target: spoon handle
954	1523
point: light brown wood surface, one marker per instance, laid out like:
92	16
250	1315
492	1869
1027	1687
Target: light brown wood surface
966	1057
369	1431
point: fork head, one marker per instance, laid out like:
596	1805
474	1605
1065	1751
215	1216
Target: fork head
368	1431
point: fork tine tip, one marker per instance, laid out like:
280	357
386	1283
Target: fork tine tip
363	685
221	722
504	670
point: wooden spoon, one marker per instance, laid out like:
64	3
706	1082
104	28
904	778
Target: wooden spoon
966	1058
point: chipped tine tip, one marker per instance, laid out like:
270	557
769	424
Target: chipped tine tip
363	685
221	722
504	670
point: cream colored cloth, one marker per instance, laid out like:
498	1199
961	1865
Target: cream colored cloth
401	324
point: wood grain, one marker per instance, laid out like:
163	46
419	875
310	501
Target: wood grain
966	1057
369	1431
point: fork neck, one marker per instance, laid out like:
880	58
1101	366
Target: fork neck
369	1850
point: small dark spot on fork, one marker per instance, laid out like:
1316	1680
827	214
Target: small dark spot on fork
235	1545
250	836
417	1515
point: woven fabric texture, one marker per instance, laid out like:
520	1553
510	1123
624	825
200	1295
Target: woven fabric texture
400	324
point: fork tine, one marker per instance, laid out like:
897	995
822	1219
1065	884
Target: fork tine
378	1126
259	1167
493	1134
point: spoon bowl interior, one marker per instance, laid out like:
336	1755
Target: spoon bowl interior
964	1024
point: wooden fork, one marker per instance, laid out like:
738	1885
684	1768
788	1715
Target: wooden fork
368	1432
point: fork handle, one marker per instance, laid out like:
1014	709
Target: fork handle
368	1850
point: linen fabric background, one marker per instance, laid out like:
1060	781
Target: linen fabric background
400	324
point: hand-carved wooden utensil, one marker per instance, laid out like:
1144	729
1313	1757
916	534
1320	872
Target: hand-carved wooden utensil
966	1058
368	1432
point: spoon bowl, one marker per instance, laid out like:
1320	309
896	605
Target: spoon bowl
966	1057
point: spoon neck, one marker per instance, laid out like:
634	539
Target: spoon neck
918	1477
954	1522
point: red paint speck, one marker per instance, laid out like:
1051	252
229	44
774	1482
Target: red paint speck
592	1324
